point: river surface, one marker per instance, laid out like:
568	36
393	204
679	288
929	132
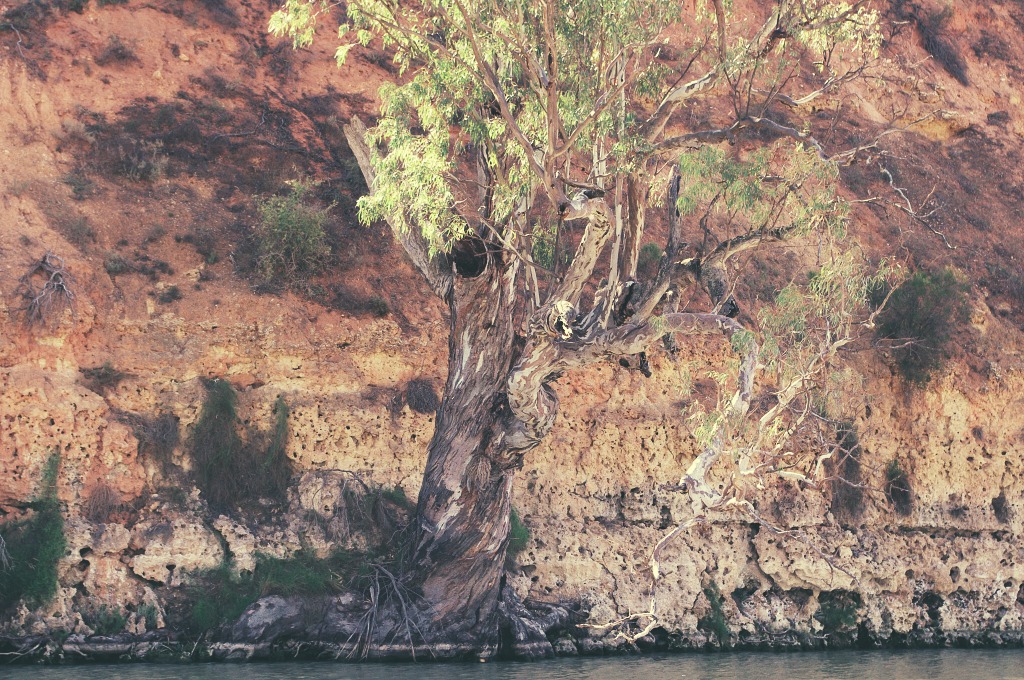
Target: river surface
942	664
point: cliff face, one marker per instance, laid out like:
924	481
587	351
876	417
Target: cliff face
134	141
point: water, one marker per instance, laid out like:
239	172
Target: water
942	664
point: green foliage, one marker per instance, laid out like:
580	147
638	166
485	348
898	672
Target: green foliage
465	54
837	610
81	186
649	258
116	264
378	305
229	470
897	488
105	620
35	545
220	595
920	318
170	294
148	613
714	620
762	188
290	236
518	535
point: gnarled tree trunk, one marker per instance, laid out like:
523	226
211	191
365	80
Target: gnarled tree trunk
462	520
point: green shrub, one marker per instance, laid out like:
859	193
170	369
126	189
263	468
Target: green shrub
229	470
897	488
378	305
116	264
290	236
714	621
219	595
34	546
105	620
837	610
169	295
649	259
920	318
518	536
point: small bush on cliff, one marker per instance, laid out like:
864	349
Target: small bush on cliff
290	236
34	546
714	621
518	536
103	501
837	610
104	619
919	321
158	435
229	470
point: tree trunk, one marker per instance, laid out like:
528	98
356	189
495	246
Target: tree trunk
462	522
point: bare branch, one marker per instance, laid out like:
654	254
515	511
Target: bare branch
47	290
722	134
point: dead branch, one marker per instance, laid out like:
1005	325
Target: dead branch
47	290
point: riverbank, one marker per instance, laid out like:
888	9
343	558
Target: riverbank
169	647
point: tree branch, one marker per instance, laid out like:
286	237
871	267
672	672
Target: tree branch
434	269
595	236
721	134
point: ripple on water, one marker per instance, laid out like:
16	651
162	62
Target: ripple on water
941	664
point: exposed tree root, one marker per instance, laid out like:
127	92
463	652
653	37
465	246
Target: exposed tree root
388	623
